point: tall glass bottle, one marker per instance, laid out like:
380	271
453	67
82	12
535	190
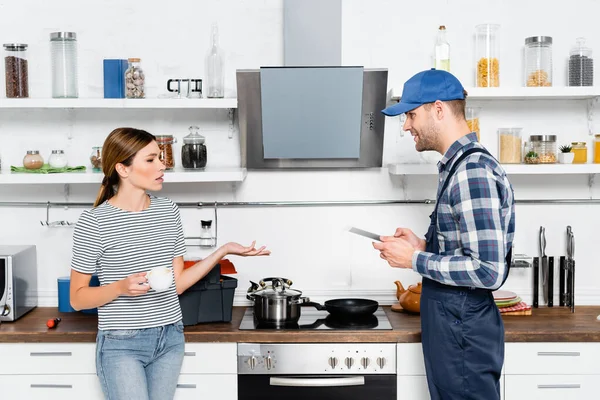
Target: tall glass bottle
442	50
214	67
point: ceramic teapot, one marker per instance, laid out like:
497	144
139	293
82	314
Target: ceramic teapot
409	299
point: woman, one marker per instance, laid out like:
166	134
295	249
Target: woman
140	342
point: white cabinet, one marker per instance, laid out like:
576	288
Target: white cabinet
65	371
552	387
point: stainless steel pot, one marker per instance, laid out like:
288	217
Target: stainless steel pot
277	303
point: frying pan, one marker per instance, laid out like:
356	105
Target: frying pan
346	308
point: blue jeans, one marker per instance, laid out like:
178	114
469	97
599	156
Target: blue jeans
140	364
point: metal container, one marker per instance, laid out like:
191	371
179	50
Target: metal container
276	304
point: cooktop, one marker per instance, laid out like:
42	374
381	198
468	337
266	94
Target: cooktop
312	319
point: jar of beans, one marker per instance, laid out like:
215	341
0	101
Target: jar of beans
165	144
16	71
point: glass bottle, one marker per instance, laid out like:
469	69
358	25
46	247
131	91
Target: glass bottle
206	237
193	152
33	160
538	61
57	159
63	49
581	65
134	80
442	50
16	71
486	54
214	68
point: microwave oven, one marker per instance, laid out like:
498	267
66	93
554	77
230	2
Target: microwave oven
18	281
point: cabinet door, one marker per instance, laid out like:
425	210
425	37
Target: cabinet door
552	387
552	358
48	358
50	387
210	358
412	388
218	386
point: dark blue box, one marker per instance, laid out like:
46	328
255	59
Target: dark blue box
114	78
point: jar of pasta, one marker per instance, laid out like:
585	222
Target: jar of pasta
545	147
472	116
538	61
580	150
486	55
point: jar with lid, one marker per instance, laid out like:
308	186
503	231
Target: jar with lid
581	65
96	158
487	65
530	156
538	61
33	160
545	148
597	149
510	145
134	80
165	144
16	71
63	52
579	149
57	159
472	116
206	236
193	152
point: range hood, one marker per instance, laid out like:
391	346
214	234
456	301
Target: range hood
311	117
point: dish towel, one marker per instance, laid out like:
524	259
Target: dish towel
47	169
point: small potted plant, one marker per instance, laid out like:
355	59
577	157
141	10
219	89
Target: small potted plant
532	158
565	156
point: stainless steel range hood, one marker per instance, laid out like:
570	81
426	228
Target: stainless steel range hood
311	117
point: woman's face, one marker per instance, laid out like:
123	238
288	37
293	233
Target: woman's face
146	170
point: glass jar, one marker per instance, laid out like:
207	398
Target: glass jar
581	65
580	150
16	72
134	80
509	145
96	158
193	152
597	149
538	61
545	147
206	237
165	144
486	55
472	116
33	160
530	156
57	159
63	52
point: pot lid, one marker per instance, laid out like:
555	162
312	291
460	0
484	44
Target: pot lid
279	288
194	137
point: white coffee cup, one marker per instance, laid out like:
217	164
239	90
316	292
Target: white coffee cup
160	278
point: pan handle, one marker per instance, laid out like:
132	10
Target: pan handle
315	305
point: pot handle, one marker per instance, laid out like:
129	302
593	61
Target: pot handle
285	280
315	305
302	301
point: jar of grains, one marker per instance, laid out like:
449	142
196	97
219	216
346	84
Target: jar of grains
165	144
510	145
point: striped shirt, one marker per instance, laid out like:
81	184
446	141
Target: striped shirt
476	221
115	243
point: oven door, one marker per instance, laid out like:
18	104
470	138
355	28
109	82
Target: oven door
3	283
315	387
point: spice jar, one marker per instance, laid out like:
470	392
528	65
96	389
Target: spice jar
538	61
63	51
581	65
134	80
165	144
509	145
96	158
57	159
545	147
472	116
486	54
206	237
16	72
33	160
193	152
580	150
597	149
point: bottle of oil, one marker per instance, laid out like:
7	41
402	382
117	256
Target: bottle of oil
442	50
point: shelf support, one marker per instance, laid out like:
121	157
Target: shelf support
591	179
591	104
231	117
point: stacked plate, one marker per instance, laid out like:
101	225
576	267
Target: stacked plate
504	298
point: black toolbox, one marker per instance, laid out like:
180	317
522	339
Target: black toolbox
209	300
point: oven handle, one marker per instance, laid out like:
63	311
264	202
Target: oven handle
317	382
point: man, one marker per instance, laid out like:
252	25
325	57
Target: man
467	249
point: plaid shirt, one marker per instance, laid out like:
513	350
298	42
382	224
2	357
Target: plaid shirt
475	221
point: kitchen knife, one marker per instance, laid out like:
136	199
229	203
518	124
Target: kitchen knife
364	233
536	281
550	281
572	269
544	264
562	271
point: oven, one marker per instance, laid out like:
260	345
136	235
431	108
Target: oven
348	371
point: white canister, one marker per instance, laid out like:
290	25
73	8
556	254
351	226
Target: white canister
57	159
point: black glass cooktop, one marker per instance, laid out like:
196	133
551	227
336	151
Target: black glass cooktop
312	319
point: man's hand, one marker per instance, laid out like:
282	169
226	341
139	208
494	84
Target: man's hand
396	251
410	237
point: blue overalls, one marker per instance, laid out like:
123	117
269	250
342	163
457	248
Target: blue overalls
462	331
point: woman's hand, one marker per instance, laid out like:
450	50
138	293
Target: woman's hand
239	250
134	285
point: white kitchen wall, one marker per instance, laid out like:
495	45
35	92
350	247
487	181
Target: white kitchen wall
309	244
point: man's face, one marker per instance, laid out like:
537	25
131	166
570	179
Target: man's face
421	124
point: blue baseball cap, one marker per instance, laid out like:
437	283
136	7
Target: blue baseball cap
427	87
